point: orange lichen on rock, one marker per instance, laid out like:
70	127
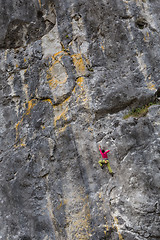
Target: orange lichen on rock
31	104
79	63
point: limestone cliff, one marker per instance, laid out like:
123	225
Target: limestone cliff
70	70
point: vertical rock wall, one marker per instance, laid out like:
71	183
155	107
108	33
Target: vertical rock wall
69	72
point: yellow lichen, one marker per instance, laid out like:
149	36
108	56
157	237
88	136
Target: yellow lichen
100	195
57	75
62	203
146	36
48	100
102	47
58	53
80	221
62	129
151	85
82	95
53	83
62	105
22	143
80	82
61	115
79	63
117	228
57	78
106	226
90	129
60	112
40	3
30	104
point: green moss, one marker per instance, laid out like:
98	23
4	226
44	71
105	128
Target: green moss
139	112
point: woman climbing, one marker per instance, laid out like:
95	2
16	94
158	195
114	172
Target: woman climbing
105	161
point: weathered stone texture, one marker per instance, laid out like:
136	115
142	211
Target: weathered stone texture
69	72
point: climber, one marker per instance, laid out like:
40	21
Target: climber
105	161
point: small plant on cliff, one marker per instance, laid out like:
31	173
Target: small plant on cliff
139	112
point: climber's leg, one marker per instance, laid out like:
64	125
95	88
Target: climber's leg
109	167
101	162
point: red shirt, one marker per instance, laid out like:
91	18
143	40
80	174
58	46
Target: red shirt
104	155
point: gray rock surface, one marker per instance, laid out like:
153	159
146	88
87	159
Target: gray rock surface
69	72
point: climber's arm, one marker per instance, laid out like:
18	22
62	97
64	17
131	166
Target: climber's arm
100	149
107	151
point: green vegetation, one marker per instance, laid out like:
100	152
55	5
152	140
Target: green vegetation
139	112
90	69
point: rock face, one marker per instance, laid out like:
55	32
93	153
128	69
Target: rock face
69	72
